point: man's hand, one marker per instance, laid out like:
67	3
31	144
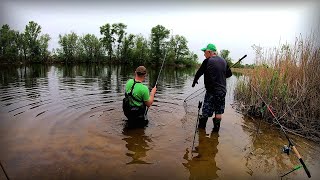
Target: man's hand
194	83
153	91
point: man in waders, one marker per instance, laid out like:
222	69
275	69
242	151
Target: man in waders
137	98
215	70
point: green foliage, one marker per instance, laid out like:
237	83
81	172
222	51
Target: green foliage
32	33
8	44
92	48
178	49
29	46
69	47
127	50
118	30
114	46
107	40
158	36
225	55
141	50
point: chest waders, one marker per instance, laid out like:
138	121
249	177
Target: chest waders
130	111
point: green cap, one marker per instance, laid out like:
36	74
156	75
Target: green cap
210	47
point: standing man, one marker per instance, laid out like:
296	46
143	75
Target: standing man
137	98
215	70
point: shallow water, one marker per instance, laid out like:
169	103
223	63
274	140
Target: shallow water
59	122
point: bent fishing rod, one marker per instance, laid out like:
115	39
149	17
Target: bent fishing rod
204	87
286	149
160	69
165	55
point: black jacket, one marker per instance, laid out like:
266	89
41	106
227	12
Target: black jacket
215	70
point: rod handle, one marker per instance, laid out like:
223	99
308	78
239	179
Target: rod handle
305	168
301	161
239	60
243	57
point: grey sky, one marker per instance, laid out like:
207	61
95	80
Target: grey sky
232	25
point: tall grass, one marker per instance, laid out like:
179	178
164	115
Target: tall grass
288	79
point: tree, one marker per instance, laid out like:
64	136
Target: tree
92	48
158	35
178	48
127	49
43	45
118	29
8	44
107	39
31	36
225	55
69	45
141	49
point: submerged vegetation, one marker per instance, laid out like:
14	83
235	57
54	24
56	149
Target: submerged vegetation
288	80
114	45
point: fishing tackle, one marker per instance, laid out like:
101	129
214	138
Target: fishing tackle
157	78
295	168
286	148
160	69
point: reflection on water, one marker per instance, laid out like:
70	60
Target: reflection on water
203	166
137	144
264	152
66	122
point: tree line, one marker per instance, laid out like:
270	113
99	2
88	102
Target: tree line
114	45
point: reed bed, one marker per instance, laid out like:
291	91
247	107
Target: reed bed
288	79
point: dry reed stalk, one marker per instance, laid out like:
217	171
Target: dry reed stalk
288	78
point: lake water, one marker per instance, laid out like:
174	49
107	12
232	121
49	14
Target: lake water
66	122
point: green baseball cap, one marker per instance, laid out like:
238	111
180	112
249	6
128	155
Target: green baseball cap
210	47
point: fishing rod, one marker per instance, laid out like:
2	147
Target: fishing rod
286	149
160	69
204	87
295	168
195	131
165	55
238	61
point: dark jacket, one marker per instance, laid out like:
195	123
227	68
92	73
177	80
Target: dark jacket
215	70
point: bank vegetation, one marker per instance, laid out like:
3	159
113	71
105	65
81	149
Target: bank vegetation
288	79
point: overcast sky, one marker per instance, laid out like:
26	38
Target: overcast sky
233	25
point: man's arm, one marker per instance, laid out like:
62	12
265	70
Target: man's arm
200	72
152	93
228	72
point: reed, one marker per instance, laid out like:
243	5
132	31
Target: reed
288	78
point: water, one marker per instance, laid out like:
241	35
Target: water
66	122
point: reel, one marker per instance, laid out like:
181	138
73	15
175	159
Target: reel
286	149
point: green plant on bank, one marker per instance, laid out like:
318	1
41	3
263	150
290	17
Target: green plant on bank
288	79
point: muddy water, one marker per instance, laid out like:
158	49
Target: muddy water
59	122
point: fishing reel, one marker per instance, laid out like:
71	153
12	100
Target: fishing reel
286	149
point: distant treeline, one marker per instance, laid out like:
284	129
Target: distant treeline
114	45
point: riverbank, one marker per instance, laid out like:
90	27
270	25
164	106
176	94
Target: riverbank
288	80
